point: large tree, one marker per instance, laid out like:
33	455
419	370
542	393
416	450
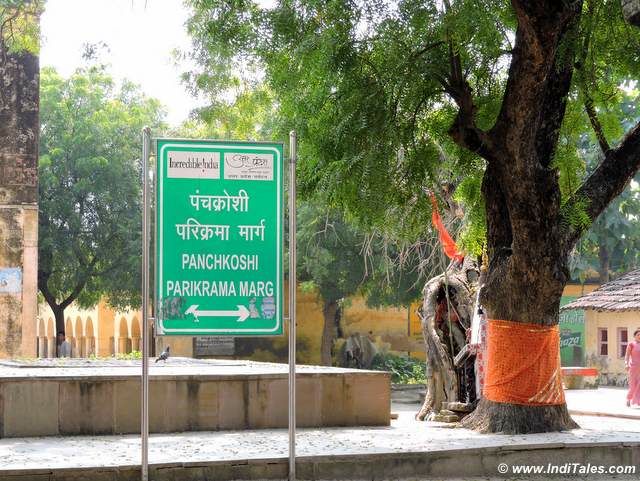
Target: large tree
376	89
90	189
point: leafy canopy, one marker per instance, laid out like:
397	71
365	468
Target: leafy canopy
330	256
364	82
19	25
90	187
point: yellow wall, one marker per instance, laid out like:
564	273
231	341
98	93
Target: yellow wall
579	289
611	366
398	329
388	326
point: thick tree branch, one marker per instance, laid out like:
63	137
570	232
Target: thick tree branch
43	279
425	49
539	78
86	275
464	130
605	183
74	294
554	101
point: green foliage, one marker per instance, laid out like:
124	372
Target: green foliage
20	26
361	82
358	81
133	355
249	116
403	370
397	270
330	257
473	236
614	238
90	187
337	257
576	215
615	234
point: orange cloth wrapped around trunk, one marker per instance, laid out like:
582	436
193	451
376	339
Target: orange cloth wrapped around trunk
523	364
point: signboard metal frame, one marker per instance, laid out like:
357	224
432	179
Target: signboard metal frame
144	401
146	153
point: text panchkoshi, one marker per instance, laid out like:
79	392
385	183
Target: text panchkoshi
219	238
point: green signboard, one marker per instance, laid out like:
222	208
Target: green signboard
219	238
572	341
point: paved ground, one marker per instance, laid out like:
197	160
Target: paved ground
405	437
605	401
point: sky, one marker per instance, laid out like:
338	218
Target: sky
140	34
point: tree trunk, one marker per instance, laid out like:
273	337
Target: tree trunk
58	313
527	272
631	11
329	312
528	236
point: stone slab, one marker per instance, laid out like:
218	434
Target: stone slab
36	402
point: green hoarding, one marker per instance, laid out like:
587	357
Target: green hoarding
219	238
572	335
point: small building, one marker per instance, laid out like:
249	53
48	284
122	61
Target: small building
612	313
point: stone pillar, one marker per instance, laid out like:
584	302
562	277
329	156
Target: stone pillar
19	125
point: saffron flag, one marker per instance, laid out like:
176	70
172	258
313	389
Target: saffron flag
448	244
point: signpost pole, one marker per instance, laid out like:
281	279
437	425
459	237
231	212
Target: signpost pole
293	153
144	427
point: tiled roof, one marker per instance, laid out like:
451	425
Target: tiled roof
622	294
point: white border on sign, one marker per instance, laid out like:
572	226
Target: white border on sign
247	332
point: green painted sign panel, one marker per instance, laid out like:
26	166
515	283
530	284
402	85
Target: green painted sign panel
572	335
219	238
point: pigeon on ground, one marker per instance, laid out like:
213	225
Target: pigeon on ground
164	356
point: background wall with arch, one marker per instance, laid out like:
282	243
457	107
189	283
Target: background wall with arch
91	332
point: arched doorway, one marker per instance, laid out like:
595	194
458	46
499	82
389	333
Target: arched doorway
135	334
51	338
68	334
124	344
90	338
43	348
78	334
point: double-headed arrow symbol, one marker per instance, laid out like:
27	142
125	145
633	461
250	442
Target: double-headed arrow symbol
242	313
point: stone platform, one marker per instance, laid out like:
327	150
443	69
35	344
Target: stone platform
89	397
